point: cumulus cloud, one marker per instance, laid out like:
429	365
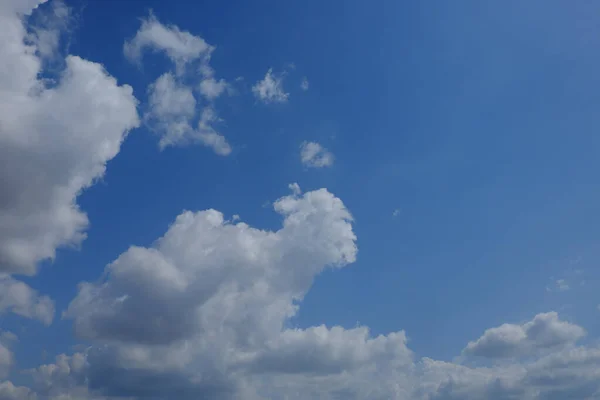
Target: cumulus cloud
19	298
8	391
172	105
313	155
207	273
206	307
205	313
270	88
48	28
542	332
55	141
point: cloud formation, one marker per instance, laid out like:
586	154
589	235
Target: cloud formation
509	340
206	313
313	155
180	46
173	108
55	142
270	88
19	298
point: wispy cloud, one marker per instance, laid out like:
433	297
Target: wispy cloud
270	88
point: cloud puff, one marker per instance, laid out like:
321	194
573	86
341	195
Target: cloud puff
205	313
208	274
206	308
172	105
212	88
19	298
270	89
55	140
180	46
313	155
8	391
542	332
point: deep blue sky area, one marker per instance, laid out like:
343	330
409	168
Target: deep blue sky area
466	144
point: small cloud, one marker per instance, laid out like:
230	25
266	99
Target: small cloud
314	155
560	285
295	188
270	89
212	88
304	84
209	136
396	212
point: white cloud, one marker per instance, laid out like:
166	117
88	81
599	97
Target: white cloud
542	332
172	106
54	142
304	84
396	212
212	88
295	188
313	155
180	46
8	391
48	28
6	360
229	276
270	88
205	313
209	136
19	298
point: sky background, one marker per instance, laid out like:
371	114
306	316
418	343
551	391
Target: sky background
464	137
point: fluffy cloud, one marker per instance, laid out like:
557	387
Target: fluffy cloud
8	391
313	155
206	308
55	141
207	276
172	105
19	298
181	47
212	88
205	313
270	88
542	332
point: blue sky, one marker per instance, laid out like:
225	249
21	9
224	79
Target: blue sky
461	137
